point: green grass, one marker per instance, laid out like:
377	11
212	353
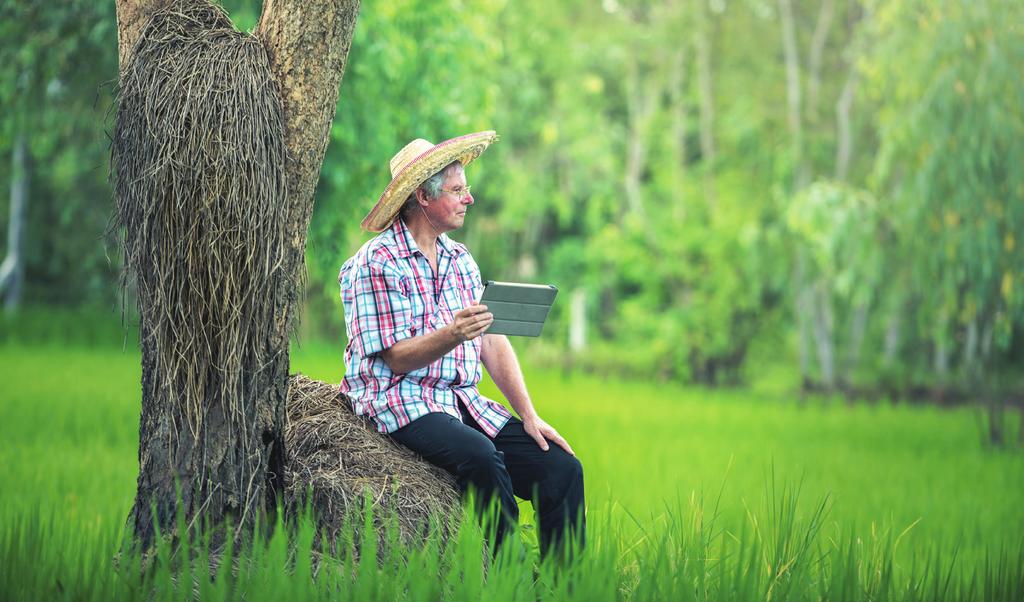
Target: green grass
862	501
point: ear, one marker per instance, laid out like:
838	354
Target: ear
421	197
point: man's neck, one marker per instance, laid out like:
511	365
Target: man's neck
422	232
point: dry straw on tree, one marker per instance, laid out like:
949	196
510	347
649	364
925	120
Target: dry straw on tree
199	172
198	164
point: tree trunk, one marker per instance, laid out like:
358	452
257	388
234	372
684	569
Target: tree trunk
307	45
793	94
858	327
578	321
12	271
971	345
844	135
640	99
808	318
940	361
844	107
893	333
803	307
824	335
814	59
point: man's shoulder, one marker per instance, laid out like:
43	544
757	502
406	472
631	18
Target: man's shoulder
378	250
377	253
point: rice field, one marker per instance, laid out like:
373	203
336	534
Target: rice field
691	494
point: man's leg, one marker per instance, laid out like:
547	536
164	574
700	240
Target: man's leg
467	454
555	475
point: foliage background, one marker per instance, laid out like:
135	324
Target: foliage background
712	185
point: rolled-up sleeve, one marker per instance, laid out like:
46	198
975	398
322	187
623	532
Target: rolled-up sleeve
381	308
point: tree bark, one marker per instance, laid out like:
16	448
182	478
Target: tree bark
793	94
803	306
307	45
814	60
824	335
971	345
640	104
307	42
844	107
578	321
132	16
844	135
858	328
12	271
940	361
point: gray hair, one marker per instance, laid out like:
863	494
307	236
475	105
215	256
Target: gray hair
431	186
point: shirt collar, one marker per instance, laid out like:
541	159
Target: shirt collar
406	244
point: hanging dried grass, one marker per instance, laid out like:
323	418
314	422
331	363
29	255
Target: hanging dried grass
198	167
198	163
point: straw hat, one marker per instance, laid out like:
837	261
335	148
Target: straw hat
412	165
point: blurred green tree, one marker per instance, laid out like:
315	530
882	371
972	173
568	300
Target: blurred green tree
55	62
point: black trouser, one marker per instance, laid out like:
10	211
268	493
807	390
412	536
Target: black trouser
511	463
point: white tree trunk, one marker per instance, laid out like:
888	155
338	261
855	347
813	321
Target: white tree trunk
844	135
844	108
803	308
12	271
940	361
578	320
824	335
892	339
640	103
794	97
858	327
971	344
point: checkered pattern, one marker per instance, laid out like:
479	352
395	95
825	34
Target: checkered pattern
389	294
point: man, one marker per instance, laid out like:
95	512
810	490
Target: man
417	338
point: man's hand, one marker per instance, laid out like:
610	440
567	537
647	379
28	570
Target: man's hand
538	429
471	322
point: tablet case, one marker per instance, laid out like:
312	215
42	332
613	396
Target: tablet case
519	309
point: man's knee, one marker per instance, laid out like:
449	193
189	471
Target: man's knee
568	469
564	478
481	457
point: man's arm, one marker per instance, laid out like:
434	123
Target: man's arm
416	352
500	360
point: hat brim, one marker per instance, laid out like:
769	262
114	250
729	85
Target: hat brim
464	149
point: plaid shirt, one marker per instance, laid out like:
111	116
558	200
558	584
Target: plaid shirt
389	294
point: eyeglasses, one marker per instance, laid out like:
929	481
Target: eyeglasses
460	192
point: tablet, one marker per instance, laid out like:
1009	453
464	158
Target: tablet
519	309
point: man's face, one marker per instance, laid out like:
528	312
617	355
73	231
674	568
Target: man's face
448	211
